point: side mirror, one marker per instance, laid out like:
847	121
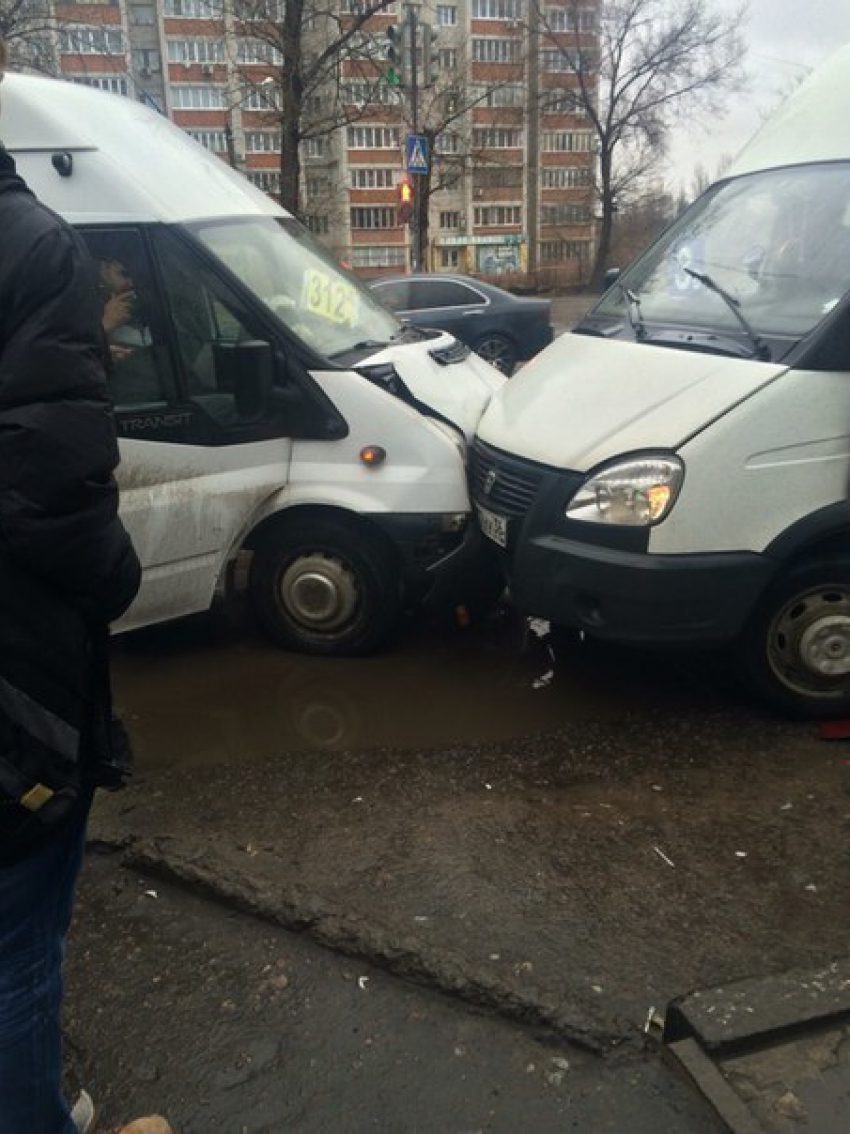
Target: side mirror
610	278
246	370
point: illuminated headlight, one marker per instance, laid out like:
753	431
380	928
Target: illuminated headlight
637	492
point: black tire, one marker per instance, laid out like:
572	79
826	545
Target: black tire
321	587
498	350
795	652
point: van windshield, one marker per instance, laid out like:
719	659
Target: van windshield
773	251
301	282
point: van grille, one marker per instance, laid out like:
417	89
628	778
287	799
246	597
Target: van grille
503	483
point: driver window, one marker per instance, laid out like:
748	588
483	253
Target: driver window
207	318
139	362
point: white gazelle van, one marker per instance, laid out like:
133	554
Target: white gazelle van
675	471
265	401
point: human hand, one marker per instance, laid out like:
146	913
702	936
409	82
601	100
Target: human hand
118	310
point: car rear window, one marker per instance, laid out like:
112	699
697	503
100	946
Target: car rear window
442	293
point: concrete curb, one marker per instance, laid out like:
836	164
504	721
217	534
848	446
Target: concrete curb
702	1027
352	937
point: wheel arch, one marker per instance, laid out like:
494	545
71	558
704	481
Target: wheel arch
822	533
271	525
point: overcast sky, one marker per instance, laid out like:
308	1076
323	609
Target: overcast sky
785	38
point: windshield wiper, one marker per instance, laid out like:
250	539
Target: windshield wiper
760	348
633	311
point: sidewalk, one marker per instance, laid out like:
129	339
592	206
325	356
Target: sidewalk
229	1024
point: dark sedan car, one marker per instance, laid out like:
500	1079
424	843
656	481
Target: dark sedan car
503	328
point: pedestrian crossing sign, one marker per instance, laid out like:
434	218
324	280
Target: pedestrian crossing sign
417	153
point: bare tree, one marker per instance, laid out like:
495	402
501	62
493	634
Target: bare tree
26	25
313	43
654	62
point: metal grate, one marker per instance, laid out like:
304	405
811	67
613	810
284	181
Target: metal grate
505	484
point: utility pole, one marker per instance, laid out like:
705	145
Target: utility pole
412	47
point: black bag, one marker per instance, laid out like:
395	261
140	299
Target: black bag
59	737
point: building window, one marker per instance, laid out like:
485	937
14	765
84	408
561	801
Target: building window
253	11
264	97
262	142
447	15
256	51
91	41
564	214
568	103
371	178
496	138
198	98
196	51
112	83
497	216
146	61
447	58
215	140
508	95
449	258
565	177
554	251
496	9
495	50
567	141
361	92
450	219
447	143
142	15
266	179
317	186
382	256
193	9
566	19
373	138
378	217
497	177
317	223
316	147
555	61
558	60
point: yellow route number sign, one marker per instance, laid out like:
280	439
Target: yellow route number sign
330	297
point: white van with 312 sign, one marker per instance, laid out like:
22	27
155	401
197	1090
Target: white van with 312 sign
265	400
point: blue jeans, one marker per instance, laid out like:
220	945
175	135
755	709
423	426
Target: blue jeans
36	900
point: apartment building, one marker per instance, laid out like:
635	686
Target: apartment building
487	85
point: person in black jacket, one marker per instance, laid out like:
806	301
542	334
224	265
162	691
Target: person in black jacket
67	569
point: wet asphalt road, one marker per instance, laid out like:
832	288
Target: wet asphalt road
563	839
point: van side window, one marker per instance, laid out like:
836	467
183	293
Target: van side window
207	319
131	322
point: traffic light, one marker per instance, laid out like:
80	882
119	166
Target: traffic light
396	55
405	200
430	56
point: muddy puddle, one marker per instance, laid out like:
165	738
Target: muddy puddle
208	689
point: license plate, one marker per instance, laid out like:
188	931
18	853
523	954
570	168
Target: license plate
493	526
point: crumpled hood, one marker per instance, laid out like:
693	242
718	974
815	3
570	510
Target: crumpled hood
584	400
459	391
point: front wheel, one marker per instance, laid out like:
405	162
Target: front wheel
498	350
795	652
322	587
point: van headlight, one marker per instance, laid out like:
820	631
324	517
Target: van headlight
636	492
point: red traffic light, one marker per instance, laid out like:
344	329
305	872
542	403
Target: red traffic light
405	200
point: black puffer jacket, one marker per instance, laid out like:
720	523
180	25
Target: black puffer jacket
67	567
